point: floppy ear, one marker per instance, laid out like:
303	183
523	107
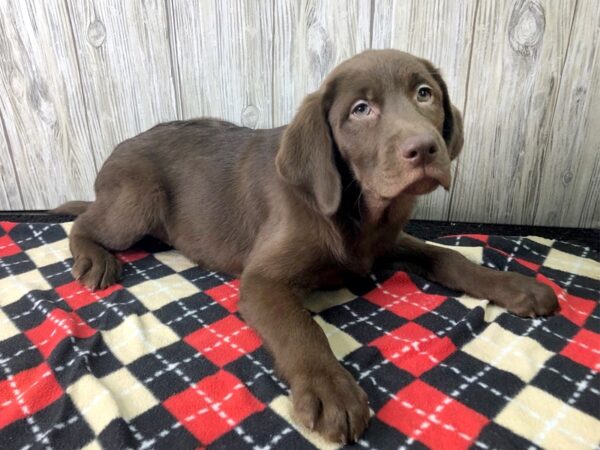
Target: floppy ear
305	158
452	131
456	137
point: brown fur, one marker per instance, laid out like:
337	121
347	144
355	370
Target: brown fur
297	208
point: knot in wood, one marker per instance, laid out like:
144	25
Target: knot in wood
17	82
567	177
250	116
526	27
96	33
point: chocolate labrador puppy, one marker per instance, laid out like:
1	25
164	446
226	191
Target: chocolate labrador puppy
296	208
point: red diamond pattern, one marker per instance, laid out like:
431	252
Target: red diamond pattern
77	295
213	406
224	341
57	326
8	247
226	295
414	348
27	392
399	295
429	416
584	348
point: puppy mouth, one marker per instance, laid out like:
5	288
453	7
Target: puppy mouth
418	181
421	186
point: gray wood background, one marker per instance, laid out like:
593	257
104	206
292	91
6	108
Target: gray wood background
79	76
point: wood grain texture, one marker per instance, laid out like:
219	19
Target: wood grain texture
79	76
42	107
518	52
440	31
223	50
569	190
10	195
310	38
125	68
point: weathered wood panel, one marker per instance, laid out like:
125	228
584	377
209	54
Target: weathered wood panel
440	31
310	38
42	107
125	67
223	50
569	190
77	77
10	196
518	52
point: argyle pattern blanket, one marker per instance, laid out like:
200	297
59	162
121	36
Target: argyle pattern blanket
163	359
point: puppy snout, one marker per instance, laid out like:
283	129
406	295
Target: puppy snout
418	149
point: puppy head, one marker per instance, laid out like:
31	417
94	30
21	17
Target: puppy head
388	115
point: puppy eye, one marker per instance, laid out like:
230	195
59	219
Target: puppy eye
424	93
361	109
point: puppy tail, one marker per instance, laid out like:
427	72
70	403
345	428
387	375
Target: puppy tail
74	208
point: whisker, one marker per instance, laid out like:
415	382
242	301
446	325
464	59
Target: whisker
359	203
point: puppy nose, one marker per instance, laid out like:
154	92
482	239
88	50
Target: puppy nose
419	148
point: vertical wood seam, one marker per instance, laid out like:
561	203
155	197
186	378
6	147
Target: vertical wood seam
273	62
551	122
83	96
564	62
371	23
12	159
464	108
173	57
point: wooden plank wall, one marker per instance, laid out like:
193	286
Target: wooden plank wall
79	76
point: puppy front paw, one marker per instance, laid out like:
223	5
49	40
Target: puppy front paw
527	297
330	402
96	270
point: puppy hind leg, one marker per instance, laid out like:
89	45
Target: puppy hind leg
109	224
93	265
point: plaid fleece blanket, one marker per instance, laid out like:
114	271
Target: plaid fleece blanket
163	360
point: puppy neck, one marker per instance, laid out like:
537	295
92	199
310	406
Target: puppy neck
359	209
350	212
